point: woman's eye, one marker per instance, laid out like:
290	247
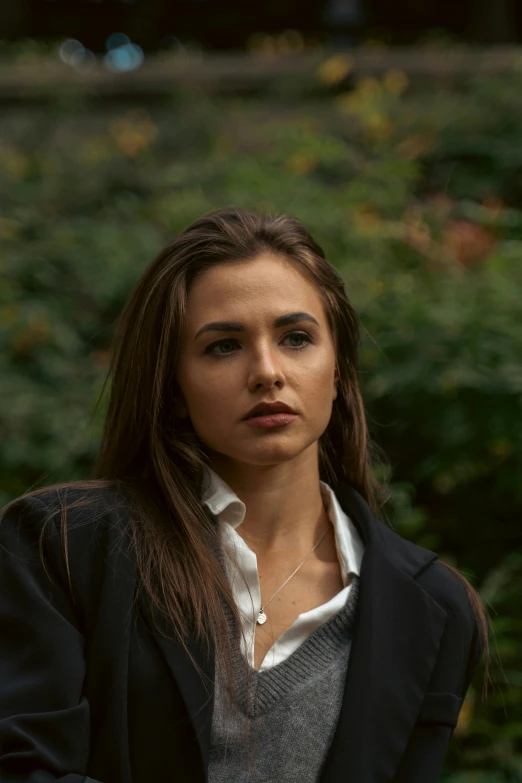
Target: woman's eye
211	349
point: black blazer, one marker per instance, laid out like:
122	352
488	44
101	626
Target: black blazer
89	693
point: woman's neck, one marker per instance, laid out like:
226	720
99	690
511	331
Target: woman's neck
284	507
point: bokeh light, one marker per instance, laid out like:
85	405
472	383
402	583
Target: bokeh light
127	57
68	48
74	53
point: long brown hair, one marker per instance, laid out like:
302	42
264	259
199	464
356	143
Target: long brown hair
154	455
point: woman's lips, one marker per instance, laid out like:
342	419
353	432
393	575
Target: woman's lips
271	420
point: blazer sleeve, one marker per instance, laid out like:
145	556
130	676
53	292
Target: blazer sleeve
429	740
44	716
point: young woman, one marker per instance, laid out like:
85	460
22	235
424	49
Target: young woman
220	602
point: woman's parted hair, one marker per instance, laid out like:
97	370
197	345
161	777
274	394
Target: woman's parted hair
154	456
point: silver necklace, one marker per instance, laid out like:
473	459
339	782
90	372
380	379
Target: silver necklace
261	618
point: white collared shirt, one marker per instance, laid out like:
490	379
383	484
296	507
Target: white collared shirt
230	511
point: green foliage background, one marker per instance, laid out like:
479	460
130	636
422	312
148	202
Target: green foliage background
415	195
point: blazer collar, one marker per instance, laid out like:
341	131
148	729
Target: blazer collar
402	554
397	632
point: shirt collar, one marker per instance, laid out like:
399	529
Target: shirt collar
221	499
225	504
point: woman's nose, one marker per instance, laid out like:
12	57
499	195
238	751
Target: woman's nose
265	367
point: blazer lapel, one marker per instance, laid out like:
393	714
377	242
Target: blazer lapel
197	691
397	633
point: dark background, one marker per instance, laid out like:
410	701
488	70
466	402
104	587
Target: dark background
228	24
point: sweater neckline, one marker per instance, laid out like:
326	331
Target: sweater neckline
316	654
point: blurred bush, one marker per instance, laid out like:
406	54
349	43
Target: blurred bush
415	196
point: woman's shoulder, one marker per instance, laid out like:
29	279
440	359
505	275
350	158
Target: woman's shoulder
444	583
65	508
84	500
449	588
68	546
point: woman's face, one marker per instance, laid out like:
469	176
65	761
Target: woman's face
223	373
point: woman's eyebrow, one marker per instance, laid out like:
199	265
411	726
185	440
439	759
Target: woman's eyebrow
231	326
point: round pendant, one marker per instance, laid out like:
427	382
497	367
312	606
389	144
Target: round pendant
261	618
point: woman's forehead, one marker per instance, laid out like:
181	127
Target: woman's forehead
266	282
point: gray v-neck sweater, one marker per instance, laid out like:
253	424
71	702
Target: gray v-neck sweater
279	729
